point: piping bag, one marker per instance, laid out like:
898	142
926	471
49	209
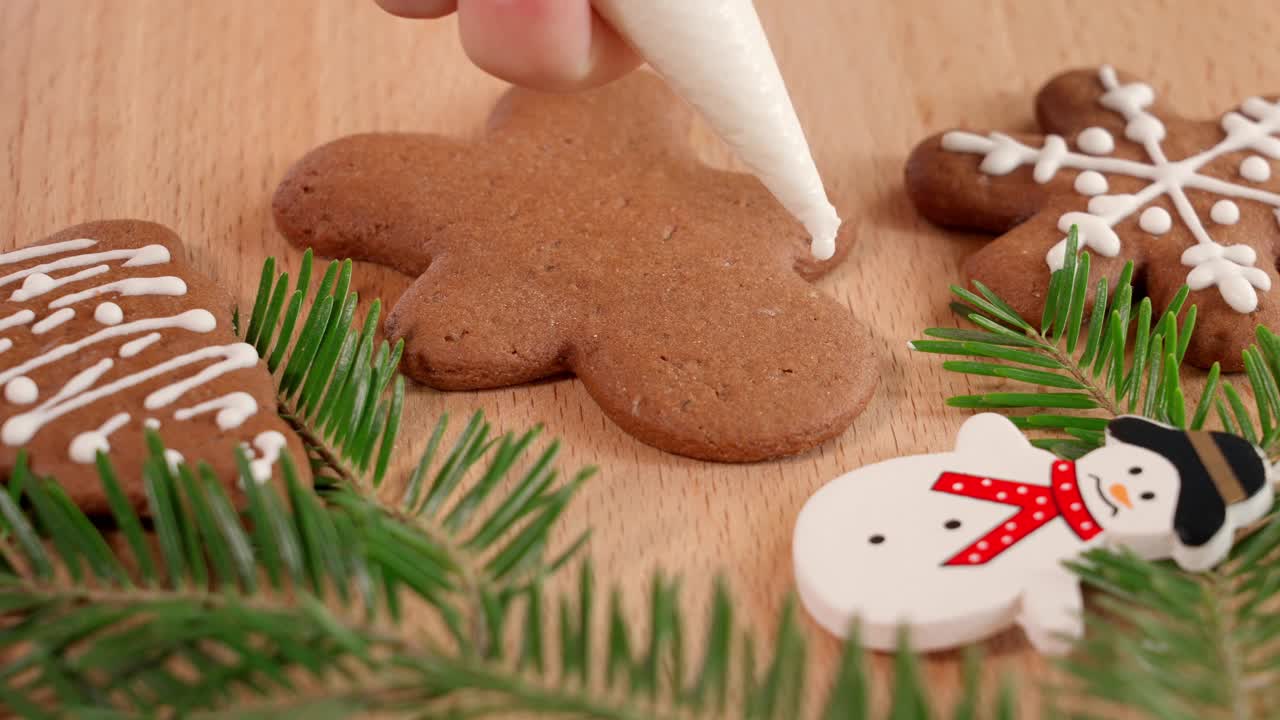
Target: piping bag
715	55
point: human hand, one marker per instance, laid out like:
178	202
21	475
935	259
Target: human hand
557	45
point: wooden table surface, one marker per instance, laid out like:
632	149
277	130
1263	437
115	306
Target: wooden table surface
189	113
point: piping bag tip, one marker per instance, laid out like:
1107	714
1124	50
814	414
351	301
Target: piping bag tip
716	56
823	226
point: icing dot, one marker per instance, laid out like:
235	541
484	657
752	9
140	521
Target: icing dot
986	482
1255	169
1064	487
1225	212
1007	539
957	486
36	284
108	313
1041	500
173	458
1075	507
1091	182
1155	220
85	446
1002	495
1038	515
983	545
1086	525
1095	141
151	423
1022	490
1011	526
21	390
1062	466
974	557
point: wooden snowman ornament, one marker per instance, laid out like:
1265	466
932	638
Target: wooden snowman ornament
958	546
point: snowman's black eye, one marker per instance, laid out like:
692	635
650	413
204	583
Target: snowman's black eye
1135	470
876	539
1148	495
951	524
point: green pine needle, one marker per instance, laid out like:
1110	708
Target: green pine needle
1089	353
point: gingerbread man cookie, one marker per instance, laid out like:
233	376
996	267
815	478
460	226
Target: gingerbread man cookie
106	331
581	235
1193	202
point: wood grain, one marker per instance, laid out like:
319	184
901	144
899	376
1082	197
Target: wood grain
189	113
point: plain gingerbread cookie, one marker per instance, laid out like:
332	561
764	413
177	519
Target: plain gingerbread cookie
105	331
1191	202
581	235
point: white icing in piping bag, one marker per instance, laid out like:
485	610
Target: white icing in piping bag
715	55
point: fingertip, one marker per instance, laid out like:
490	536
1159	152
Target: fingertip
419	9
551	45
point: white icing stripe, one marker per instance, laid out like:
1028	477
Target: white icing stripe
53	320
1253	128
85	446
148	255
133	347
22	317
268	444
201	321
15	256
19	429
38	284
129	287
235	357
5	344
233	409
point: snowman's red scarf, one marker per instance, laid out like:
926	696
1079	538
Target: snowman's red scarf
1038	505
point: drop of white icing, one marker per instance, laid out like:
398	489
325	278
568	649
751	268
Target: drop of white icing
151	424
1155	220
1225	212
268	444
1096	141
108	313
21	390
35	284
1091	182
173	459
85	446
1255	168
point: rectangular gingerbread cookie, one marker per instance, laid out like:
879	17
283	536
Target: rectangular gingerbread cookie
106	331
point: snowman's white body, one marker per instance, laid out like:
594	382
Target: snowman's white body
901	580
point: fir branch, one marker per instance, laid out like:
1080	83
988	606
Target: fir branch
229	615
1072	365
342	397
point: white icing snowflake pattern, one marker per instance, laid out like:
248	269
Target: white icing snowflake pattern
1230	268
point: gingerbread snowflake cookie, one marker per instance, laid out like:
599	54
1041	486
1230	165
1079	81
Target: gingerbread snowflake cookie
580	234
1188	201
105	331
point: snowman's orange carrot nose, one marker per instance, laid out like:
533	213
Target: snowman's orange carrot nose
1121	494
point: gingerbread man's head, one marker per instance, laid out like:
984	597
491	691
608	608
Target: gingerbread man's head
579	234
1193	202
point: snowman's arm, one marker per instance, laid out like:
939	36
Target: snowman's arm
1052	610
990	435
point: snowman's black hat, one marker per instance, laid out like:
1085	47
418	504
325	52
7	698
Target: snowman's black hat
1216	469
